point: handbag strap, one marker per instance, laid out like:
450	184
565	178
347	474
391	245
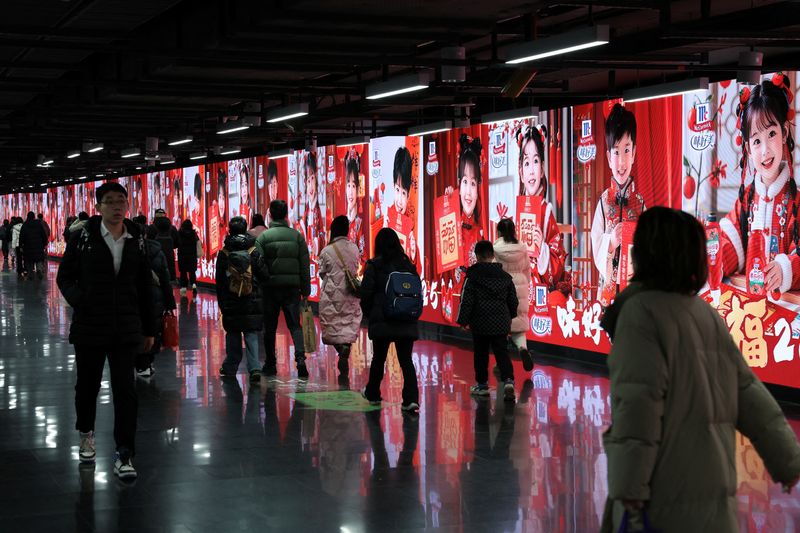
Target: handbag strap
339	255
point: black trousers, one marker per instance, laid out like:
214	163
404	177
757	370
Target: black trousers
286	299
188	278
380	350
90	361
499	345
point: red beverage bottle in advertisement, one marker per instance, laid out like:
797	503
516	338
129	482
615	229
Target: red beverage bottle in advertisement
714	256
756	261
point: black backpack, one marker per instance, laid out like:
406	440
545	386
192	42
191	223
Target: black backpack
403	297
240	271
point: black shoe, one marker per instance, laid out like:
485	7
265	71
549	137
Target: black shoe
302	371
225	374
255	377
269	371
343	365
527	362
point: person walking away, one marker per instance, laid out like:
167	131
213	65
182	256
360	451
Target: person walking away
106	279
286	255
241	273
163	300
387	322
16	228
5	239
339	303
513	256
76	225
32	242
488	302
680	390
188	248
44	223
165	233
258	226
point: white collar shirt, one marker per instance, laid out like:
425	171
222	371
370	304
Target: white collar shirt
116	246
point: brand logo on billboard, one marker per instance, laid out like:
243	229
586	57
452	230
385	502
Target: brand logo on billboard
702	141
541	326
432	166
587	150
499	147
376	165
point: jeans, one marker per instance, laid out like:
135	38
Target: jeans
233	351
288	300
380	349
188	278
499	345
90	361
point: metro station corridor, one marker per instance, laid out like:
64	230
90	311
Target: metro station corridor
293	455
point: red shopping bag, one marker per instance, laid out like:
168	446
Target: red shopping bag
169	336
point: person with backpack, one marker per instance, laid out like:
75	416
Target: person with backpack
76	224
189	251
339	309
241	272
285	253
32	243
391	298
106	278
166	234
5	238
163	300
488	303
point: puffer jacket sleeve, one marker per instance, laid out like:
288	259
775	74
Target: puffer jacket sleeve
511	298
761	420
260	266
639	380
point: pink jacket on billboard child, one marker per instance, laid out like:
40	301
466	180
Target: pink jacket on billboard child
618	204
759	236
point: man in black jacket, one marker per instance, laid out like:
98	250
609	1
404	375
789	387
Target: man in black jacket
105	277
166	234
32	242
488	303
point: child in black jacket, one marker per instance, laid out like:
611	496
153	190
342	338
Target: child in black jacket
488	303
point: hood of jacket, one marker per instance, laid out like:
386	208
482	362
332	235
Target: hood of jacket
187	233
509	252
611	315
234	243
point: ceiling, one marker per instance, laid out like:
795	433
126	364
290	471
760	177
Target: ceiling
116	72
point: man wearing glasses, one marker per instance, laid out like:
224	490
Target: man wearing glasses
105	277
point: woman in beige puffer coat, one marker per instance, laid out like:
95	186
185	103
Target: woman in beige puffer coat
513	255
339	309
680	390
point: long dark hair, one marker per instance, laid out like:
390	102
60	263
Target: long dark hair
669	251
187	226
469	152
388	247
537	136
507	230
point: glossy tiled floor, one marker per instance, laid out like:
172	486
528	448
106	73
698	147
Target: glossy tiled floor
293	456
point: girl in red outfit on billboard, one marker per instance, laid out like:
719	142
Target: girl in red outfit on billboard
761	233
547	267
314	224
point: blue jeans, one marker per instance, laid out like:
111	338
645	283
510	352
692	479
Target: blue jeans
233	351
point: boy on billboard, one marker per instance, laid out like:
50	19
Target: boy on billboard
545	248
245	208
355	233
272	181
759	236
397	215
618	204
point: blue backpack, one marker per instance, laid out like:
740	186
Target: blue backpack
403	297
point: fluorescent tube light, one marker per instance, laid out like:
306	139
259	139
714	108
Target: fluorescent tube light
198	155
180	140
228	150
287	112
665	89
96	147
231	126
130	152
278	154
399	85
72	154
511	114
435	127
352	141
564	43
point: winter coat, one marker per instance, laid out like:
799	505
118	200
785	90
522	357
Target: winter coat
15	235
187	250
75	227
680	389
514	258
108	308
6	240
46	227
165	233
373	287
241	313
488	300
33	240
286	254
163	298
339	309
256	231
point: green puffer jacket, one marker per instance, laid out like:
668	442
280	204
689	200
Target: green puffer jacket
286	254
680	390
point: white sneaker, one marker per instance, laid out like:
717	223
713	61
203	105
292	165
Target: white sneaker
146	373
194	286
412	407
123	468
183	291
87	451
